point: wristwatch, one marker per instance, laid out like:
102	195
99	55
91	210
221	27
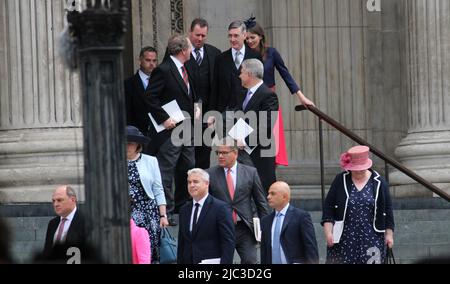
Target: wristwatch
163	216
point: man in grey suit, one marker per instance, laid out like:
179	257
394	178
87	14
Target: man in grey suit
237	185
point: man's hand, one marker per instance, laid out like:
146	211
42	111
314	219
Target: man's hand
169	124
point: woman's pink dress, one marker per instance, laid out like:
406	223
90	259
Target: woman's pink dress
140	245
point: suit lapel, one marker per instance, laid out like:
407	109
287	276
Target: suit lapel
287	219
138	83
238	180
177	76
211	59
223	182
254	99
203	213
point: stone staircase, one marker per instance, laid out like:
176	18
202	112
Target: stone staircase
422	229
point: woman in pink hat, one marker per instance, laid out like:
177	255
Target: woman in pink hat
357	214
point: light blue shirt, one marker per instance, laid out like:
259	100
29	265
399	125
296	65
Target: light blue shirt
144	78
283	214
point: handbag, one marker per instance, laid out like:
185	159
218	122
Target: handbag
168	248
389	259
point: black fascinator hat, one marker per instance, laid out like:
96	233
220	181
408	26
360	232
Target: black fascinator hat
250	22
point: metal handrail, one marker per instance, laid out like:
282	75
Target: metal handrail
373	149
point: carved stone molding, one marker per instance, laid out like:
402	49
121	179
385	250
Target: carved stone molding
176	12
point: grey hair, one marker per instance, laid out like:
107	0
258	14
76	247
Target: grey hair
70	192
254	67
177	43
238	25
203	174
229	142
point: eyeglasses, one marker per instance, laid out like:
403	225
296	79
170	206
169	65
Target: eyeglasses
223	153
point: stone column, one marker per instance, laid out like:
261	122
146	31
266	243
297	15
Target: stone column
426	148
40	121
99	31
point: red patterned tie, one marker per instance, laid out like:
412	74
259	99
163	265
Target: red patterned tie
185	76
230	185
60	230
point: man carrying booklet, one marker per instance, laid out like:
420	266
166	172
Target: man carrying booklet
239	186
259	106
171	91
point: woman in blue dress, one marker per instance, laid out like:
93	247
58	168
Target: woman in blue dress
272	60
357	214
148	203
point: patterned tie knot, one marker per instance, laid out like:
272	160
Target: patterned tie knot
198	56
237	60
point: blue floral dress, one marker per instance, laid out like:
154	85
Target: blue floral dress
144	211
359	243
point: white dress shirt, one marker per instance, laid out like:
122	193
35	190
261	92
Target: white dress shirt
201	202
66	226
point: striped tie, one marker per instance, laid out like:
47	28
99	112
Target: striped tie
185	76
198	56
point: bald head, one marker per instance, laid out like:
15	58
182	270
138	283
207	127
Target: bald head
279	195
64	200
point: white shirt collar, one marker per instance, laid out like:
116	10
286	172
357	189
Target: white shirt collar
283	211
201	201
233	168
200	49
70	216
177	62
242	50
256	87
144	77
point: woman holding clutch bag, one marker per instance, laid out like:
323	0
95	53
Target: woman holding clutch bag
357	214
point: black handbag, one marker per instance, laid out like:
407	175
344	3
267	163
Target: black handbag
168	248
389	259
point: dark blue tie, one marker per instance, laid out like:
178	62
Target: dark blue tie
194	221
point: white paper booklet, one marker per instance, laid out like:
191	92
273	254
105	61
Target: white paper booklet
240	131
338	228
257	229
173	110
210	261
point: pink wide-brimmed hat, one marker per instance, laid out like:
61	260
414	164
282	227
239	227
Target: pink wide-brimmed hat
356	159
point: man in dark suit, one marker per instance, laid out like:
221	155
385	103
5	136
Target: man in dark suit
288	233
67	229
206	230
227	85
201	67
135	87
259	108
239	186
171	81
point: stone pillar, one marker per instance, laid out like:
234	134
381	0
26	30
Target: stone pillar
40	121
426	148
98	31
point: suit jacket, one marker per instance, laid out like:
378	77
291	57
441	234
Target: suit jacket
297	238
248	186
166	85
210	52
136	103
227	84
213	236
263	100
76	235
